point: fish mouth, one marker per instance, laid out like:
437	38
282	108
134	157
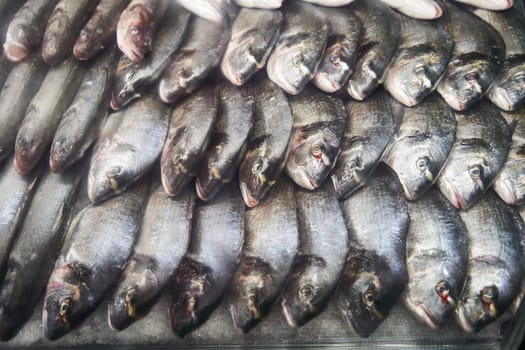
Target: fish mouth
288	314
249	199
306	181
15	52
113	104
504	189
22	167
463	321
454	196
327	85
80	53
200	193
360	96
422	311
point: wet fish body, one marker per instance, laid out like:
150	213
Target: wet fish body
271	242
297	53
161	244
421	146
483	140
217	11
375	273
200	53
63	27
99	31
191	127
254	34
331	3
378	43
84	271
478	53
262	4
132	80
494	272
423	53
26	29
369	130
437	259
44	112
131	151
319	125
323	246
21	85
340	54
420	9
85	115
137	25
228	143
268	143
207	268
37	244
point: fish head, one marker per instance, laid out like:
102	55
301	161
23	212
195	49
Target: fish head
366	77
88	42
26	153
509	90
312	158
67	301
306	292
240	61
257	174
15	303
17	44
335	66
123	90
251	293
60	153
465	81
510	183
136	41
413	74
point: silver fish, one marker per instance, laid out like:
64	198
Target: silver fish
423	53
200	53
190	130
228	144
495	273
161	244
421	146
437	259
478	53
212	10
38	242
483	140
510	182
268	143
131	151
297	53
97	245
254	34
323	246
44	112
319	125
378	43
207	268
340	54
21	85
261	4
368	131
375	273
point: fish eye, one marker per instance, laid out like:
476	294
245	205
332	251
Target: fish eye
64	306
422	163
472	76
369	297
307	291
297	60
489	294
257	167
252	297
475	172
114	171
317	150
420	69
131	294
442	289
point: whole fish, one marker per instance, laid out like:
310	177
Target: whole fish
261	4
375	273
85	115
297	53
137	25
132	80
424	50
44	112
228	144
97	246
63	28
508	90
190	130
323	246
483	140
99	31
340	54
495	273
268	142
377	45
26	29
437	259
319	125
38	242
211	10
421	146
131	151
271	241
254	34
207	268
200	53
420	9
161	244
21	85
510	182
478	53
368	131
17	192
